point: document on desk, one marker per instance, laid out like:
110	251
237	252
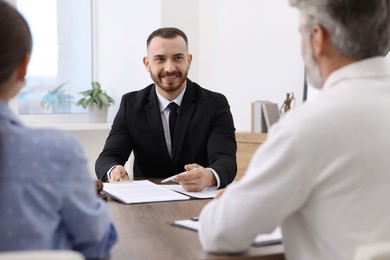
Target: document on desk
206	193
132	192
275	237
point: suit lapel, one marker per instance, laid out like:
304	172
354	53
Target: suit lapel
186	111
154	119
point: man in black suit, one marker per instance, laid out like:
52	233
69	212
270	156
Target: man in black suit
173	125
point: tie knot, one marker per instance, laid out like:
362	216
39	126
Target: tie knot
173	106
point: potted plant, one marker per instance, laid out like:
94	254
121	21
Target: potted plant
97	101
57	100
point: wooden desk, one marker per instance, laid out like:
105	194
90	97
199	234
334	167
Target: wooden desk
145	233
247	143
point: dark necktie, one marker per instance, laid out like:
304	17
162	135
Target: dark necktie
172	119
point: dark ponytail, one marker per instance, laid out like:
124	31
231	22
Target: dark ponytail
15	44
15	41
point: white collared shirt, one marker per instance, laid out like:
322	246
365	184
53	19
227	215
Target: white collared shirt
323	173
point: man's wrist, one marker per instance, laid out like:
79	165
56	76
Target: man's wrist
109	172
215	180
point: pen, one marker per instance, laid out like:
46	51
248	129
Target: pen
195	218
172	177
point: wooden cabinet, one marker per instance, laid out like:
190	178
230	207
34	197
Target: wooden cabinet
247	143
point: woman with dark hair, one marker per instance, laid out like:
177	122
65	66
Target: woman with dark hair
47	196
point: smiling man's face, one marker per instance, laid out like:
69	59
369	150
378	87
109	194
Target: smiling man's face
168	62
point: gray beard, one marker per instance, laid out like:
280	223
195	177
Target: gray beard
313	73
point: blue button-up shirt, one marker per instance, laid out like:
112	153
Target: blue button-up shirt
47	197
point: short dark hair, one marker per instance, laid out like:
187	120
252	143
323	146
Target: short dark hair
358	29
167	33
15	41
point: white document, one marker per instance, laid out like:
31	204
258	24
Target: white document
275	237
131	192
187	223
206	193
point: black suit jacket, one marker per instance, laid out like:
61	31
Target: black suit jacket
204	134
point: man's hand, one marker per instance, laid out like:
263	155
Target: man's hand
118	174
195	178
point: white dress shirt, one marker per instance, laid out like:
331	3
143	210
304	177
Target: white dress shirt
323	174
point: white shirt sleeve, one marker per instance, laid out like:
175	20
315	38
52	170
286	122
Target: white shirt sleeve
109	172
270	190
216	177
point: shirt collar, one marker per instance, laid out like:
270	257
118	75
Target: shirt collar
163	102
366	68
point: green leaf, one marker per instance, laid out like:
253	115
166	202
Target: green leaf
96	96
56	97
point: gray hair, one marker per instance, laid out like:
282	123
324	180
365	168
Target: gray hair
358	28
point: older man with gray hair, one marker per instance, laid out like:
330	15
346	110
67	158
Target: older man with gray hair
326	182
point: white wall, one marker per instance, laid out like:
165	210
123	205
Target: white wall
92	142
250	50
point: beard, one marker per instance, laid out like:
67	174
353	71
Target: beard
169	85
313	73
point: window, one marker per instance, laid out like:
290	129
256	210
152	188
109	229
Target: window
61	61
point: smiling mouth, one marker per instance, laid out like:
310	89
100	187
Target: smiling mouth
170	77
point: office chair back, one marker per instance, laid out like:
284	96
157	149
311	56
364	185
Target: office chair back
41	255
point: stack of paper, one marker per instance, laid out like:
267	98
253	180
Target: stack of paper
131	192
275	237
